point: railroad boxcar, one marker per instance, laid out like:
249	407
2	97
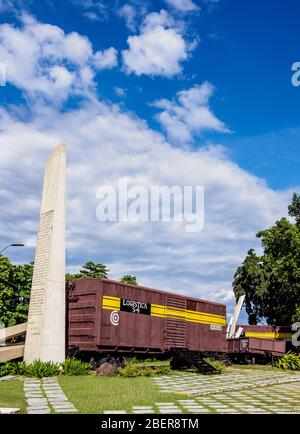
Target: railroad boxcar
267	332
259	343
251	349
114	318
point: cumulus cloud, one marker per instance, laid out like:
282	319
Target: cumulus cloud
183	5
106	143
189	114
46	63
159	48
106	59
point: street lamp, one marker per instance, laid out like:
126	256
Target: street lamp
12	245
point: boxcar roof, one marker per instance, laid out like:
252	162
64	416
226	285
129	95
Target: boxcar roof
118	282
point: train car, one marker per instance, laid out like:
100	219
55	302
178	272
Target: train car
111	318
255	350
259	343
267	332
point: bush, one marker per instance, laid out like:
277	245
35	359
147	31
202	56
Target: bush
13	368
39	369
5	370
72	366
289	361
134	370
218	366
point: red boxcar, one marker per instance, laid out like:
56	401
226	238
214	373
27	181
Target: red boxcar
110	316
248	347
266	332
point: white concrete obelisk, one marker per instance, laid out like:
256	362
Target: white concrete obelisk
45	338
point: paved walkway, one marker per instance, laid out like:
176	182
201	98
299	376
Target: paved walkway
46	396
219	394
196	384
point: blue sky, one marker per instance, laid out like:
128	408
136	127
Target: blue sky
245	49
91	73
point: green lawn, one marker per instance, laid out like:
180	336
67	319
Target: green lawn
257	369
11	394
95	394
92	394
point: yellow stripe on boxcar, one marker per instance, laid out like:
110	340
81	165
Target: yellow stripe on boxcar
114	303
268	335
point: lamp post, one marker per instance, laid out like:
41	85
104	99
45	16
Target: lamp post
12	245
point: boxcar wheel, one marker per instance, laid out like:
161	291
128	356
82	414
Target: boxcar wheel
177	363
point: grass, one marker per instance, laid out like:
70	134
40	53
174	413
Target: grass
152	363
11	395
96	394
92	394
257	369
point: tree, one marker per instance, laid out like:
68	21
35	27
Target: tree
15	285
132	280
271	282
250	279
90	270
294	208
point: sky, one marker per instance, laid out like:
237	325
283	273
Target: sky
171	92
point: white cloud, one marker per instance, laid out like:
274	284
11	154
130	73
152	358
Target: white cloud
183	5
159	48
128	12
189	115
105	143
120	91
41	59
132	12
106	59
93	10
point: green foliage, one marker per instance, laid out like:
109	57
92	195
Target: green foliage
216	364
294	208
36	369
134	369
250	279
289	361
90	270
132	280
271	282
39	369
72	366
15	285
9	368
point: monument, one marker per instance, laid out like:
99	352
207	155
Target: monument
45	337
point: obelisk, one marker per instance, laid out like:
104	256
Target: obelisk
45	338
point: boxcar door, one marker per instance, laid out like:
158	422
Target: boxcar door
175	322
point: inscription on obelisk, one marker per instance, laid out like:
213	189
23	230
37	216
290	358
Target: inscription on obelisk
45	338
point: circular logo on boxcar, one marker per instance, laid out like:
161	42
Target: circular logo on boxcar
114	318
